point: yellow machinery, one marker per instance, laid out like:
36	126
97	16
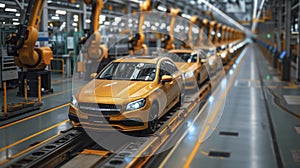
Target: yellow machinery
92	50
193	20
136	42
168	39
95	54
33	61
34	78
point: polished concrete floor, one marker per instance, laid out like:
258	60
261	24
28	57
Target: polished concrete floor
258	133
257	127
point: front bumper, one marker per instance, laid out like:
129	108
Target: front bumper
125	121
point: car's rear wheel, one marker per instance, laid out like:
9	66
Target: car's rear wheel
152	119
199	81
181	97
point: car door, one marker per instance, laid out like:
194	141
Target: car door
166	87
202	69
175	84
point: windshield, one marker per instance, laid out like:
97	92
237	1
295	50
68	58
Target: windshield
134	71
183	57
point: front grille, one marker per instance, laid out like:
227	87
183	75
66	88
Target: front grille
98	109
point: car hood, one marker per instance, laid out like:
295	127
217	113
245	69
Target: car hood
116	89
186	67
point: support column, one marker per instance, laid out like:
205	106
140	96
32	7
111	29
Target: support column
44	23
286	69
276	35
84	15
298	58
44	19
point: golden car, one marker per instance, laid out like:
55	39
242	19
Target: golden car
191	64
224	53
129	94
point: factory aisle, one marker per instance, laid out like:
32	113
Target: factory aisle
253	131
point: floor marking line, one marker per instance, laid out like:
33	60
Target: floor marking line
186	132
34	146
274	139
29	149
33	135
200	140
35	115
58	93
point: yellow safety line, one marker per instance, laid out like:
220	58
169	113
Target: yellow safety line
33	135
200	140
103	153
58	93
4	161
178	142
32	147
29	149
33	116
140	153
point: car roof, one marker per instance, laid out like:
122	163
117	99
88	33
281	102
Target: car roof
182	51
144	59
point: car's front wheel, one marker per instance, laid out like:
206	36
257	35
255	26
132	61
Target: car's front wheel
152	119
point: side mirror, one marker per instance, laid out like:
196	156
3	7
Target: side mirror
93	75
203	61
166	78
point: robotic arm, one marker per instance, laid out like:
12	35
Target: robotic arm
193	20
167	41
21	44
92	49
136	42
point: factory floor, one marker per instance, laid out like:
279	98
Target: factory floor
21	133
258	126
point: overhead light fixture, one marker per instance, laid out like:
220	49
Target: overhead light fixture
161	8
10	10
16	23
75	16
88	20
186	16
18	14
2	5
61	12
55	17
74	24
15	19
136	1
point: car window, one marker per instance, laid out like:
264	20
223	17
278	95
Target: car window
163	70
183	57
135	71
171	68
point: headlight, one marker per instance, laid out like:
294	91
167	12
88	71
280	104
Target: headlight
223	55
74	101
189	74
136	105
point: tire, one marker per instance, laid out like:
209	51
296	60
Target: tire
153	119
181	98
199	81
